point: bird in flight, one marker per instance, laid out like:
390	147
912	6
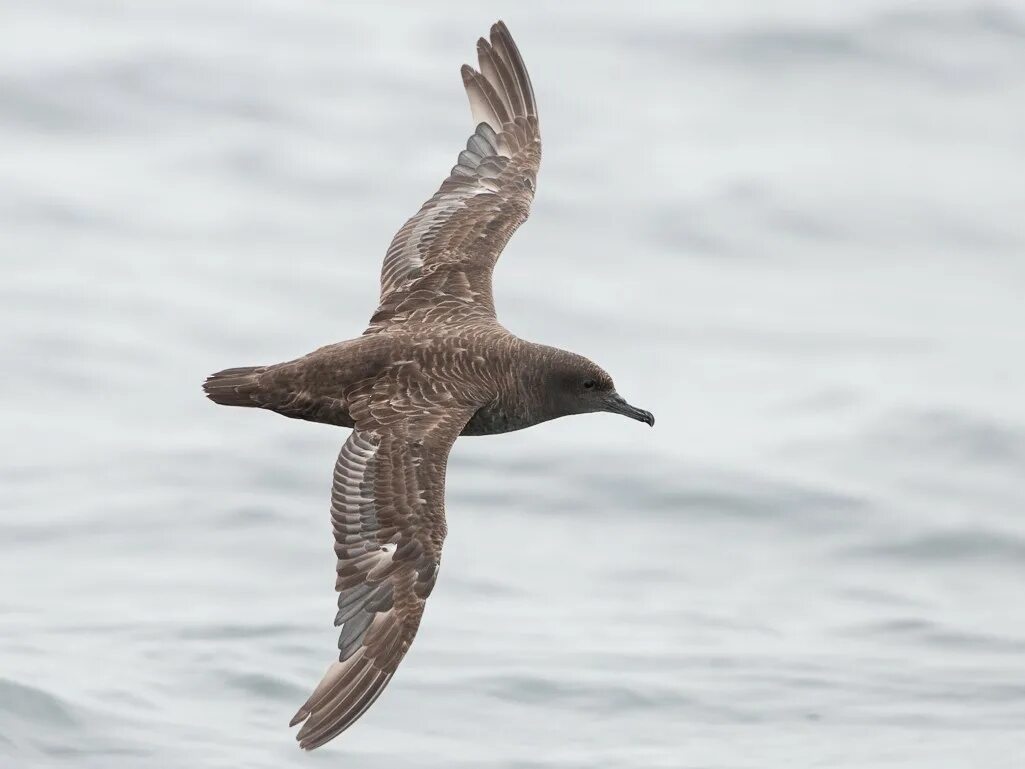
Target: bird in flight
433	364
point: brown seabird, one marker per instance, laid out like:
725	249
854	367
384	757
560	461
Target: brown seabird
434	364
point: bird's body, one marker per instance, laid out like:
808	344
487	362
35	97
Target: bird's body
484	366
434	364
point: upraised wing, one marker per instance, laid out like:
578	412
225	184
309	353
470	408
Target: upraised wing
440	262
388	516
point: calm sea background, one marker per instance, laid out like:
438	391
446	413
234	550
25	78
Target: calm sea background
792	230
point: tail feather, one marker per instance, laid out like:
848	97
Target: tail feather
235	386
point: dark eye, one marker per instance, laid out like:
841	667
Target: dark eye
589	384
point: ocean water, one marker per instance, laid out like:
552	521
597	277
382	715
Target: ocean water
793	231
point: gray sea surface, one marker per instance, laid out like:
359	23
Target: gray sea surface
792	230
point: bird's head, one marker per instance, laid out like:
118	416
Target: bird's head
576	385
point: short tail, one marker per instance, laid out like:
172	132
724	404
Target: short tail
235	386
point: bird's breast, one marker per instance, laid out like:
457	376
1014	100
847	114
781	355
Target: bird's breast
494	419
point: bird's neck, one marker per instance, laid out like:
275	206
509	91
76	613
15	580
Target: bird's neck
526	390
520	370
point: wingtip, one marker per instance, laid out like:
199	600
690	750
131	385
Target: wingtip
499	29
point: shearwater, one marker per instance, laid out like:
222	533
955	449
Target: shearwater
434	364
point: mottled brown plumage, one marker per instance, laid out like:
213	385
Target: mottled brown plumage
433	364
